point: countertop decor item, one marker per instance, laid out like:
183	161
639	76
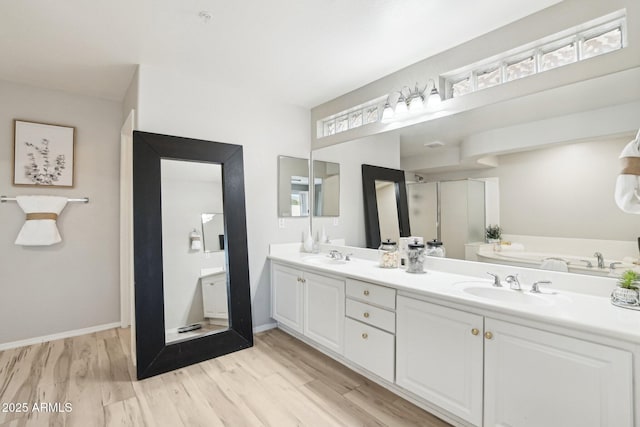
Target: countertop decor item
388	253
626	294
493	233
416	256
43	154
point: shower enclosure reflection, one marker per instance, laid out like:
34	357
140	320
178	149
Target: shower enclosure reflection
195	281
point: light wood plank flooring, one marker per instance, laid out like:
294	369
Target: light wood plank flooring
278	382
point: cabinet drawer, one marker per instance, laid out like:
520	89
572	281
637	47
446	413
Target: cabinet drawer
370	348
375	316
373	294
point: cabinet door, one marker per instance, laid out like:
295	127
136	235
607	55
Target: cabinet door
439	356
535	378
324	310
286	296
214	298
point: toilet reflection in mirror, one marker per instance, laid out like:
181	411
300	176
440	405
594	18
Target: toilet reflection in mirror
195	281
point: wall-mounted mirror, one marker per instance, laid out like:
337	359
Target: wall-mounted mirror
548	183
213	232
294	197
177	285
326	184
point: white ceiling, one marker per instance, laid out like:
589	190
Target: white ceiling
303	52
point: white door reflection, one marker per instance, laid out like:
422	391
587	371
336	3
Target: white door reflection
193	255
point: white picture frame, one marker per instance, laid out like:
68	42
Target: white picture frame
43	154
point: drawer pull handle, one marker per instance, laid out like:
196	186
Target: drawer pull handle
366	315
366	293
365	335
488	335
475	331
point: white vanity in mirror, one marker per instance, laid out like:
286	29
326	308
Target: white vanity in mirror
469	352
214	296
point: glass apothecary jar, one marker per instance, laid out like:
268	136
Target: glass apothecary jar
435	248
388	253
416	255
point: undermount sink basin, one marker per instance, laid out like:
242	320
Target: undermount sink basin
484	290
323	260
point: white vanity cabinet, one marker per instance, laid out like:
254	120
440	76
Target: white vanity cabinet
537	378
309	303
439	356
214	298
532	378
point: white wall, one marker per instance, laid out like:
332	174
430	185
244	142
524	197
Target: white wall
185	197
175	104
388	212
561	191
378	150
74	284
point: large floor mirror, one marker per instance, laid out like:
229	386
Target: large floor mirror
192	294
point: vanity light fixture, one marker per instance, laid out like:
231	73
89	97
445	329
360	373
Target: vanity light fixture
412	102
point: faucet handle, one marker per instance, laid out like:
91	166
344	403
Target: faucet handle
612	266
348	256
588	263
535	288
496	280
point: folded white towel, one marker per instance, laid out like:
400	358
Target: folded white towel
40	227
554	265
627	192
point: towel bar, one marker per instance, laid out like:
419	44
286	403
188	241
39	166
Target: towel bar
4	199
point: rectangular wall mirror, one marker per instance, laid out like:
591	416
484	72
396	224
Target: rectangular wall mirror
326	188
293	187
212	232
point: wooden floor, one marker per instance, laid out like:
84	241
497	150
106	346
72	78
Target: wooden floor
278	382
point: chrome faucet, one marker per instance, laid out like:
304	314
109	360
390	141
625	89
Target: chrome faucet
600	259
496	280
334	254
513	282
535	288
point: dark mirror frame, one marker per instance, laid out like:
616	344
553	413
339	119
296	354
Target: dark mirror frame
154	356
371	174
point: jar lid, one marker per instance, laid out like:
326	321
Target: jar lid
416	244
389	242
434	242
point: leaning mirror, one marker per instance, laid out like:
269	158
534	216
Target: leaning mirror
188	188
189	306
326	188
293	187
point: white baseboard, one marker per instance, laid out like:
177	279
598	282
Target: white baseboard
264	327
58	336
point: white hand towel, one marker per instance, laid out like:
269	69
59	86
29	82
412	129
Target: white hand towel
40	227
554	265
627	193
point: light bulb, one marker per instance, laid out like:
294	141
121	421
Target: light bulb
416	103
434	99
401	106
387	112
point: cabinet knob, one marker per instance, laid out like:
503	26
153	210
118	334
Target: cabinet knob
366	314
365	335
488	335
475	331
299	280
366	293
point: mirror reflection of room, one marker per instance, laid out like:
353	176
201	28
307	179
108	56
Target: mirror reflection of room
293	187
387	210
326	183
195	281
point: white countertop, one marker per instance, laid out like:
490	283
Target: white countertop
583	312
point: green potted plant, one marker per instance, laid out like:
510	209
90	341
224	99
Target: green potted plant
493	233
626	293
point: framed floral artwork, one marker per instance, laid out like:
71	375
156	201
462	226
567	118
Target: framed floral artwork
43	154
